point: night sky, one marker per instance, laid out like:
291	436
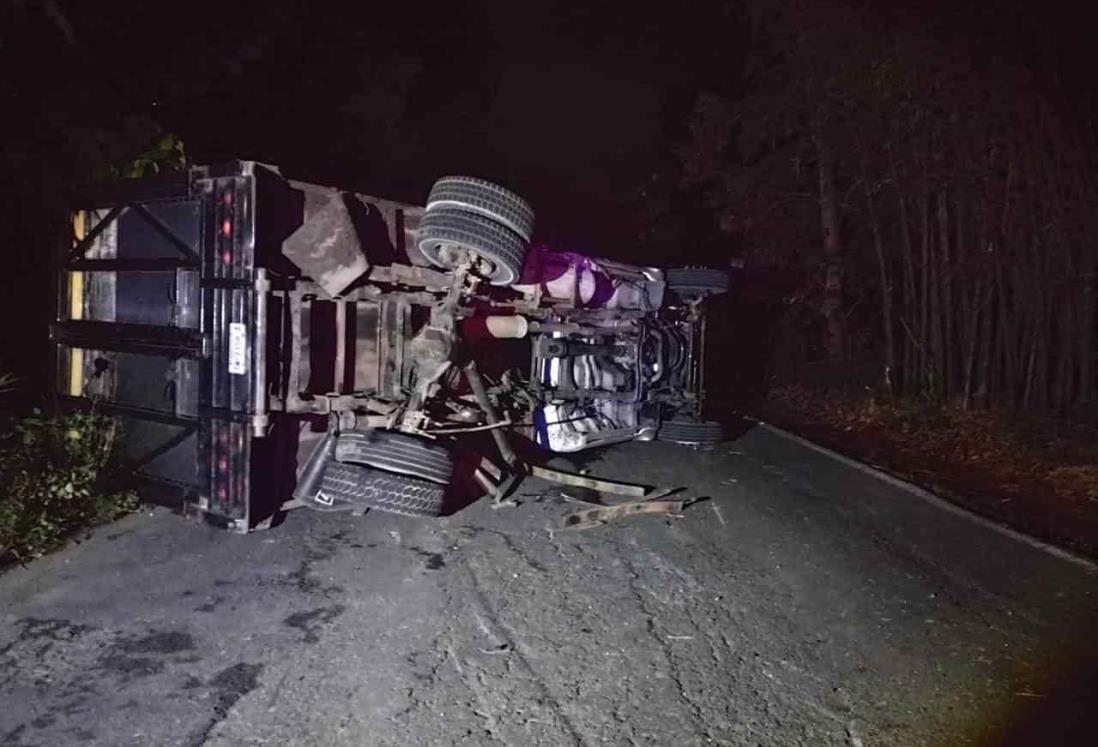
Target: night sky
576	108
573	108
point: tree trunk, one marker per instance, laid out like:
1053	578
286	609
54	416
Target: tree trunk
935	336
979	305
1006	322
886	286
907	308
944	287
986	346
924	290
911	353
835	340
886	301
1086	339
1063	383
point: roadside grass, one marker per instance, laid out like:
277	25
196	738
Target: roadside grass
53	478
1038	474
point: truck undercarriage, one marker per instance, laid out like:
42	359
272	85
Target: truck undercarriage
268	343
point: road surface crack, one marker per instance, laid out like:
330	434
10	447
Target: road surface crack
522	555
477	686
546	696
673	670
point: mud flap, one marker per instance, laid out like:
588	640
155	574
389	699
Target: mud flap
307	491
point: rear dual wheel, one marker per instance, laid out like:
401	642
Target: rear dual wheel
386	471
352	485
471	217
472	195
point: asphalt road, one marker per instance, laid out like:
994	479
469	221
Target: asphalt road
803	603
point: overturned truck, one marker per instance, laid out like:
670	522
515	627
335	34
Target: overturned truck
267	343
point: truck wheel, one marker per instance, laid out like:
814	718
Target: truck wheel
443	232
690	432
396	452
384	491
695	282
484	198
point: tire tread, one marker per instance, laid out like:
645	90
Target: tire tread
383	491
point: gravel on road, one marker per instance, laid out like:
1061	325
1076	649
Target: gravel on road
801	602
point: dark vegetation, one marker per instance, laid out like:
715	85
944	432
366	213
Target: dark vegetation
935	196
908	187
56	473
923	183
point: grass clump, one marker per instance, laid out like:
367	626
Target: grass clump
54	481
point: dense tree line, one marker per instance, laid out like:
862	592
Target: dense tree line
936	189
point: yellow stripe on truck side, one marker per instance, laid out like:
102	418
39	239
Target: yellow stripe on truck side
76	309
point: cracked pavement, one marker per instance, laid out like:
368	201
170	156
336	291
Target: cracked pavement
802	602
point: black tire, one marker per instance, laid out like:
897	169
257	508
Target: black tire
448	228
396	452
484	198
697	281
370	488
690	432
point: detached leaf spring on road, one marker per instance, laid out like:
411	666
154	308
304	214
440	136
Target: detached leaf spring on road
593	517
590	491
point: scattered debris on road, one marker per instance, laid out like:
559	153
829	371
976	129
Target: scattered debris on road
594	517
589	491
720	517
